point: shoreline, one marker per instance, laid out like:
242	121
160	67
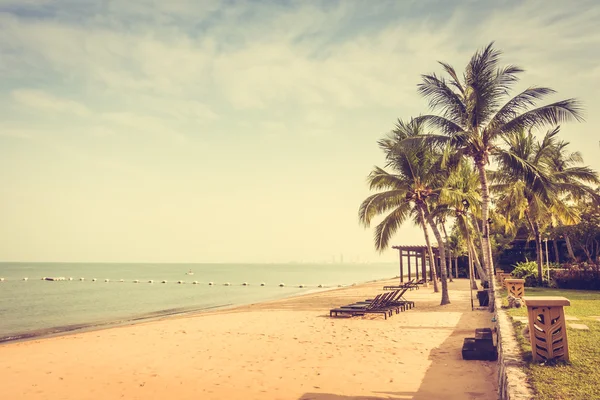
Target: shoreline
288	349
65	330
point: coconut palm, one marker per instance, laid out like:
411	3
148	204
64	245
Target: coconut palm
535	180
414	181
461	192
475	112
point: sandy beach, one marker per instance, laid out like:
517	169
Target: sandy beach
285	349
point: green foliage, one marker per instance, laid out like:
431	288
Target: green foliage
582	276
585	235
527	271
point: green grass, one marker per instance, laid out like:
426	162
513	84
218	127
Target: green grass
580	378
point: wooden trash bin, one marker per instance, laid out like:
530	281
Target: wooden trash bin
547	327
516	287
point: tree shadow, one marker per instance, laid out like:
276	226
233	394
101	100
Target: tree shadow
449	377
330	396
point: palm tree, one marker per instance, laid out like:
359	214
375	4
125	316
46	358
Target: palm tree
460	192
409	189
476	111
534	179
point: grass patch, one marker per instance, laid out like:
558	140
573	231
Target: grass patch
579	379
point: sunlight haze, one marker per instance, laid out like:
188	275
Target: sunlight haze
240	131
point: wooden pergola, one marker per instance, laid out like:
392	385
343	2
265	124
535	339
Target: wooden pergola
421	258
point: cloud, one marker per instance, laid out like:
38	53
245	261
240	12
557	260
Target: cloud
174	89
47	102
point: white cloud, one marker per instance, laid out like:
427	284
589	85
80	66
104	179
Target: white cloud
47	102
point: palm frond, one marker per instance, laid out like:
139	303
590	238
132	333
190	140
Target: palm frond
454	81
444	125
389	225
443	98
551	114
378	204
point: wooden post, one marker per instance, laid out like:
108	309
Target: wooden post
516	287
430	269
401	267
408	264
416	265
547	327
423	266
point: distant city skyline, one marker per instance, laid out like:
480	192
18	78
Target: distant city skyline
210	131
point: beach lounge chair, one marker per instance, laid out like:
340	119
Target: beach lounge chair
402	286
419	282
407	303
398	300
377	306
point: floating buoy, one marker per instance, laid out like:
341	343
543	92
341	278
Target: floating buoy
70	278
107	280
320	286
180	282
164	281
94	280
121	280
195	282
300	285
150	281
281	284
245	284
136	281
227	284
25	279
82	279
262	284
210	283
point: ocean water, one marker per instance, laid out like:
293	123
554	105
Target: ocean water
37	307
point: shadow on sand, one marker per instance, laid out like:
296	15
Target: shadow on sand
449	377
329	396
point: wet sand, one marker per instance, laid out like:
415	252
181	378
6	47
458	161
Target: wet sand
284	349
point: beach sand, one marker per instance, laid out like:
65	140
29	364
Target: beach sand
285	349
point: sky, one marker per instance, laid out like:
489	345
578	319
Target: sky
240	131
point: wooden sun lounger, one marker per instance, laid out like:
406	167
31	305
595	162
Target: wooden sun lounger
408	284
361	309
380	305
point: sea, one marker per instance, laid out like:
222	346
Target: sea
103	294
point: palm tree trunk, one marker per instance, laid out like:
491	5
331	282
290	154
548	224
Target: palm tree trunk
538	248
471	269
436	289
479	236
471	246
449	252
456	266
570	248
486	248
556	253
480	271
438	237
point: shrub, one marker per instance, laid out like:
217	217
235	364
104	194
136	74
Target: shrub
582	276
528	271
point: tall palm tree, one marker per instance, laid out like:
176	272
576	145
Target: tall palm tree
414	181
462	186
476	111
